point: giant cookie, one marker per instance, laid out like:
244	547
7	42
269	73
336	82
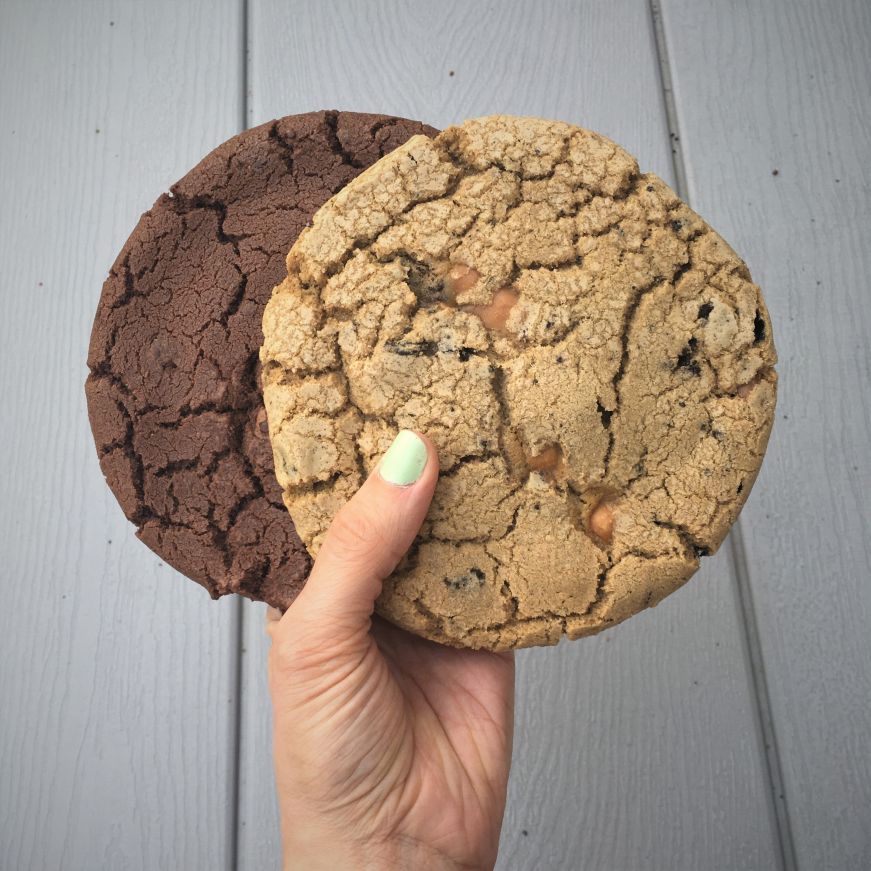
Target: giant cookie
173	391
591	359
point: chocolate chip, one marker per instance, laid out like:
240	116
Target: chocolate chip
685	358
465	353
428	287
677	226
423	348
475	578
704	310
758	327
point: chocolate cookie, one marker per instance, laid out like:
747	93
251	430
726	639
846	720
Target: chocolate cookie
591	359
173	392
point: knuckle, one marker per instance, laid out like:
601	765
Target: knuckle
282	654
289	655
302	656
356	535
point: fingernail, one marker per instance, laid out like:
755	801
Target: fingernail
405	459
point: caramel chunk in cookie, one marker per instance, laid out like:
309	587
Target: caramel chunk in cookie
494	314
548	461
602	522
460	278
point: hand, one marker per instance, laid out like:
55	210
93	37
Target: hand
391	752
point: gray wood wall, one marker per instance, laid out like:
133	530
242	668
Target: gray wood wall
728	728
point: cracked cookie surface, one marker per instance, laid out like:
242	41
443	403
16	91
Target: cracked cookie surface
592	361
173	394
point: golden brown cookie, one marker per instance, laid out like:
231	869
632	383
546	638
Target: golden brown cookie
591	359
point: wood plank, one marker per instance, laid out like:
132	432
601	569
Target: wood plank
773	109
259	842
117	675
638	748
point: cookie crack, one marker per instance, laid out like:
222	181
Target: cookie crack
331	129
693	546
469	458
364	243
601	591
284	147
497	382
452	151
315	486
434	622
608	416
130	291
511	600
173	466
625	337
143	513
186	204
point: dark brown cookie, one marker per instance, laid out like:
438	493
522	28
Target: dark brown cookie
173	391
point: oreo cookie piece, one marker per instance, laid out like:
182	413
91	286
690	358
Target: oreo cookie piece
173	391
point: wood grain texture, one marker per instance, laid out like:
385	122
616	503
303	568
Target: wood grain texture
116	675
638	748
773	107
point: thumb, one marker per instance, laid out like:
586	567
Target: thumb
364	544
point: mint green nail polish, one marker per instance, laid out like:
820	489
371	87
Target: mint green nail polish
405	459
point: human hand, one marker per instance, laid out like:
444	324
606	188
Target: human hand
391	751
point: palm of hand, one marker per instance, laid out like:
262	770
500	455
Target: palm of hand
418	740
456	710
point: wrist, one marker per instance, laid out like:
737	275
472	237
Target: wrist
396	854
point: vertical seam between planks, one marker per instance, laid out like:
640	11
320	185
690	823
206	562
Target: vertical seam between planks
752	644
236	738
238	638
763	700
246	62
